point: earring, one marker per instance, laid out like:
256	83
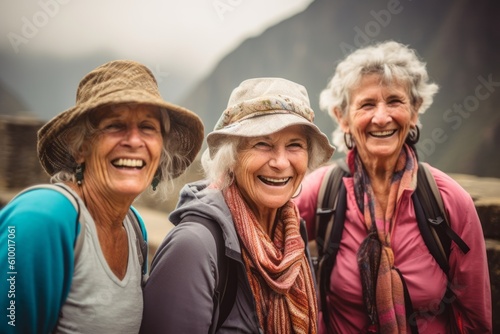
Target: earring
155	182
414	135
349	143
298	191
79	173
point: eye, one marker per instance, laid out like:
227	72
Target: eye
367	106
395	101
262	144
150	127
112	126
297	145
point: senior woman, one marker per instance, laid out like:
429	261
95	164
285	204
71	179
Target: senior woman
257	156
120	139
376	96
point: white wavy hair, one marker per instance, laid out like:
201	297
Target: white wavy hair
391	60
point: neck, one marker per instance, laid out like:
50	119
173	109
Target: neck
106	213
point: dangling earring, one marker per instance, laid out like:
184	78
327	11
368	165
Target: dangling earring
414	135
349	143
298	191
155	182
79	173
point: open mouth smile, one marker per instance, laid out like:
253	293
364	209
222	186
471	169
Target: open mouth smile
382	134
275	182
128	163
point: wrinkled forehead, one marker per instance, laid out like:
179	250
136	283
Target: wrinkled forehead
124	111
390	83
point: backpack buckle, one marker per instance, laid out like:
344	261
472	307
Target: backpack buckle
323	212
436	221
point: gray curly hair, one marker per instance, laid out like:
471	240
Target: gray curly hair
391	60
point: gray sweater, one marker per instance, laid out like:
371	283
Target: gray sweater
178	296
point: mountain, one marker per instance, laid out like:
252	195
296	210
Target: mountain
459	41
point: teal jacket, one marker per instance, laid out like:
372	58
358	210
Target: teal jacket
38	231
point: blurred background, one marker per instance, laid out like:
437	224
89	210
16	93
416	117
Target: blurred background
199	50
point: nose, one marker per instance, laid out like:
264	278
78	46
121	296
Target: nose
381	116
279	160
133	137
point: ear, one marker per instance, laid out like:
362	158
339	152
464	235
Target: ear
417	105
82	152
79	159
342	119
414	118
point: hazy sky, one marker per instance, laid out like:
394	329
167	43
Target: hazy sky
188	34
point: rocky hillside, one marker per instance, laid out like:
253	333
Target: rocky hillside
457	39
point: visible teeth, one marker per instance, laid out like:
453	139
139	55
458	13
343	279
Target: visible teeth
285	179
382	133
128	163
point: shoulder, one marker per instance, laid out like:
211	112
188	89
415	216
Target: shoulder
451	191
458	204
191	239
40	209
195	234
45	224
188	247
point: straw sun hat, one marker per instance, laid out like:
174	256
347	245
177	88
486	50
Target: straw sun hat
117	82
262	106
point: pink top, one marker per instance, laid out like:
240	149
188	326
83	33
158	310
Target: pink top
424	278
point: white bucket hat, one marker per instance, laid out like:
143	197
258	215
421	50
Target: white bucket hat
262	106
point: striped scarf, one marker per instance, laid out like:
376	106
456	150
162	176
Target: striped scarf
383	291
277	269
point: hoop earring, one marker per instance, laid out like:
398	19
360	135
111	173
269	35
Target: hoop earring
349	143
413	135
155	182
79	173
298	191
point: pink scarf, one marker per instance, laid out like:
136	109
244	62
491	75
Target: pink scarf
383	291
277	268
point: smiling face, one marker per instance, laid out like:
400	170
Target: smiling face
270	168
125	152
379	118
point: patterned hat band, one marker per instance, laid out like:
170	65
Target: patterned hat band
262	106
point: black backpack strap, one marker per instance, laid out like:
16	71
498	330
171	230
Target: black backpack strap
327	203
331	207
432	220
408	305
332	246
434	227
225	293
324	210
305	238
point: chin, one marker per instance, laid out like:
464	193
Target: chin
276	204
131	190
383	151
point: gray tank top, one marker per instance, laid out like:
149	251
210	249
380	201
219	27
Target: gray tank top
99	302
